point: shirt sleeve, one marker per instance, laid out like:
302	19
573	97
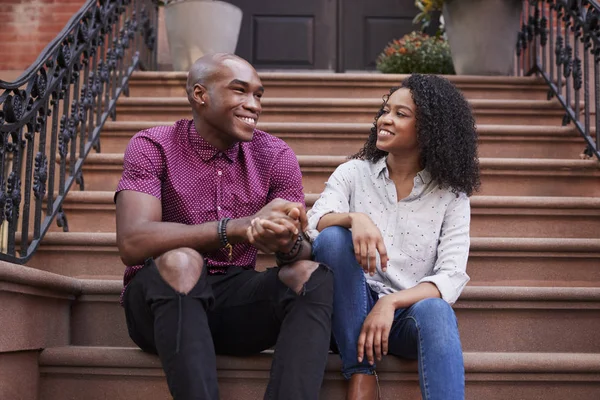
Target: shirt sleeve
142	167
334	199
286	178
449	271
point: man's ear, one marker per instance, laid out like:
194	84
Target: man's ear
200	94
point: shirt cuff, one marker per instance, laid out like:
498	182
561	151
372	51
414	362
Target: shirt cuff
446	286
313	222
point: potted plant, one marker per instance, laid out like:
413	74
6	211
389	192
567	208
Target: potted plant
482	33
416	52
198	27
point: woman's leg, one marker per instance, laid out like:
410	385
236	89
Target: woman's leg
352	299
428	331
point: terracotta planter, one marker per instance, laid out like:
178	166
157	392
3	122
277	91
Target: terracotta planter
198	27
482	35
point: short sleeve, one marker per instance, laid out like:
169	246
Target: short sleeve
286	178
334	199
142	167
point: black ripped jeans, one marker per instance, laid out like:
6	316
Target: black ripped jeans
241	313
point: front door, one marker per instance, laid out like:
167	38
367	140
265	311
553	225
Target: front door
334	35
288	34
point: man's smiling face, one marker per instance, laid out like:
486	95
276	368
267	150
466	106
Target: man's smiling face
232	104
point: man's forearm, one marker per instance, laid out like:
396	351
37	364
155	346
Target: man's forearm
151	239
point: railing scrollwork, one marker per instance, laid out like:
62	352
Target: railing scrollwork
51	116
556	41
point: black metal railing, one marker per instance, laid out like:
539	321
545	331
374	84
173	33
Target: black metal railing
51	116
560	41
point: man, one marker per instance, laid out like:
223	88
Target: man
195	202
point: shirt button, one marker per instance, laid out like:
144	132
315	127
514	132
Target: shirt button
219	173
219	208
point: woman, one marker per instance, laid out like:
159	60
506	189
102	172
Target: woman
393	225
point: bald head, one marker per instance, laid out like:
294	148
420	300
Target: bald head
206	68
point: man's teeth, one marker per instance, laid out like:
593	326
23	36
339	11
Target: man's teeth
383	132
248	120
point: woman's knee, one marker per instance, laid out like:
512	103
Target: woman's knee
434	312
331	241
181	268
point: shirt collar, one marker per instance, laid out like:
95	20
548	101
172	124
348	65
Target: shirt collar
207	151
381	167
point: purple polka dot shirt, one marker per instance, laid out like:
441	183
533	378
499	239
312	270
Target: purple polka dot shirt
197	183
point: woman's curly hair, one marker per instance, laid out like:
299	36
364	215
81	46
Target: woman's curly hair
445	132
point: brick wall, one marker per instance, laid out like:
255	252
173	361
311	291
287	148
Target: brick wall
28	26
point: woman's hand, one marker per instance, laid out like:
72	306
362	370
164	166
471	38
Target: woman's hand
367	241
375	332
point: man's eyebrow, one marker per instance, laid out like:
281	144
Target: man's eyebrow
244	84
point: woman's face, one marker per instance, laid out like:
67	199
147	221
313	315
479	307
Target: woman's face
396	127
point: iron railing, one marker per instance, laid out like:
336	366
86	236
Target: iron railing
51	116
560	41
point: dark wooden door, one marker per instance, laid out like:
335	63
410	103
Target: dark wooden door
368	26
288	34
335	35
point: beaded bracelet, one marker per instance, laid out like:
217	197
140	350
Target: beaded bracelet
293	253
222	231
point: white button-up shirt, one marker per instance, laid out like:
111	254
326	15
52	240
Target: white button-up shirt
426	234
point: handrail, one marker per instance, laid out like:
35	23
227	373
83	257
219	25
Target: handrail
556	41
52	115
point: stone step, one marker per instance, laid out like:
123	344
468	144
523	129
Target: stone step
346	85
500	176
306	138
99	373
498	216
492	260
490	318
355	110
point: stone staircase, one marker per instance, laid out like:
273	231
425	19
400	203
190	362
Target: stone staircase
528	319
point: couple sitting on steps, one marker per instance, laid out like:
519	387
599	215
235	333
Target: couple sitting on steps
375	264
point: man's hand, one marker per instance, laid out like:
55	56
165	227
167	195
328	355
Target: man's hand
375	332
280	208
276	227
367	241
273	236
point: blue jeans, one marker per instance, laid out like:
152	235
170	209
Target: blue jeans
426	331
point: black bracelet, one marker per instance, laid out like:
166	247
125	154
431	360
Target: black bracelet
293	253
222	232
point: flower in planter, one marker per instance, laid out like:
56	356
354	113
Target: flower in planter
416	53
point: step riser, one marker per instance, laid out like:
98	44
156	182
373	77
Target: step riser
494	326
346	144
20	375
83	383
494	182
170	88
490	267
71	383
347	115
485	222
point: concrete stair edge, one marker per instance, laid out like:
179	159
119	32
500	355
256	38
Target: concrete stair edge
350	127
32	277
475	362
327	77
375	103
116	159
584	203
477	243
470	293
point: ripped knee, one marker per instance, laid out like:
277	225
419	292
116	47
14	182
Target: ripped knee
304	276
180	268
